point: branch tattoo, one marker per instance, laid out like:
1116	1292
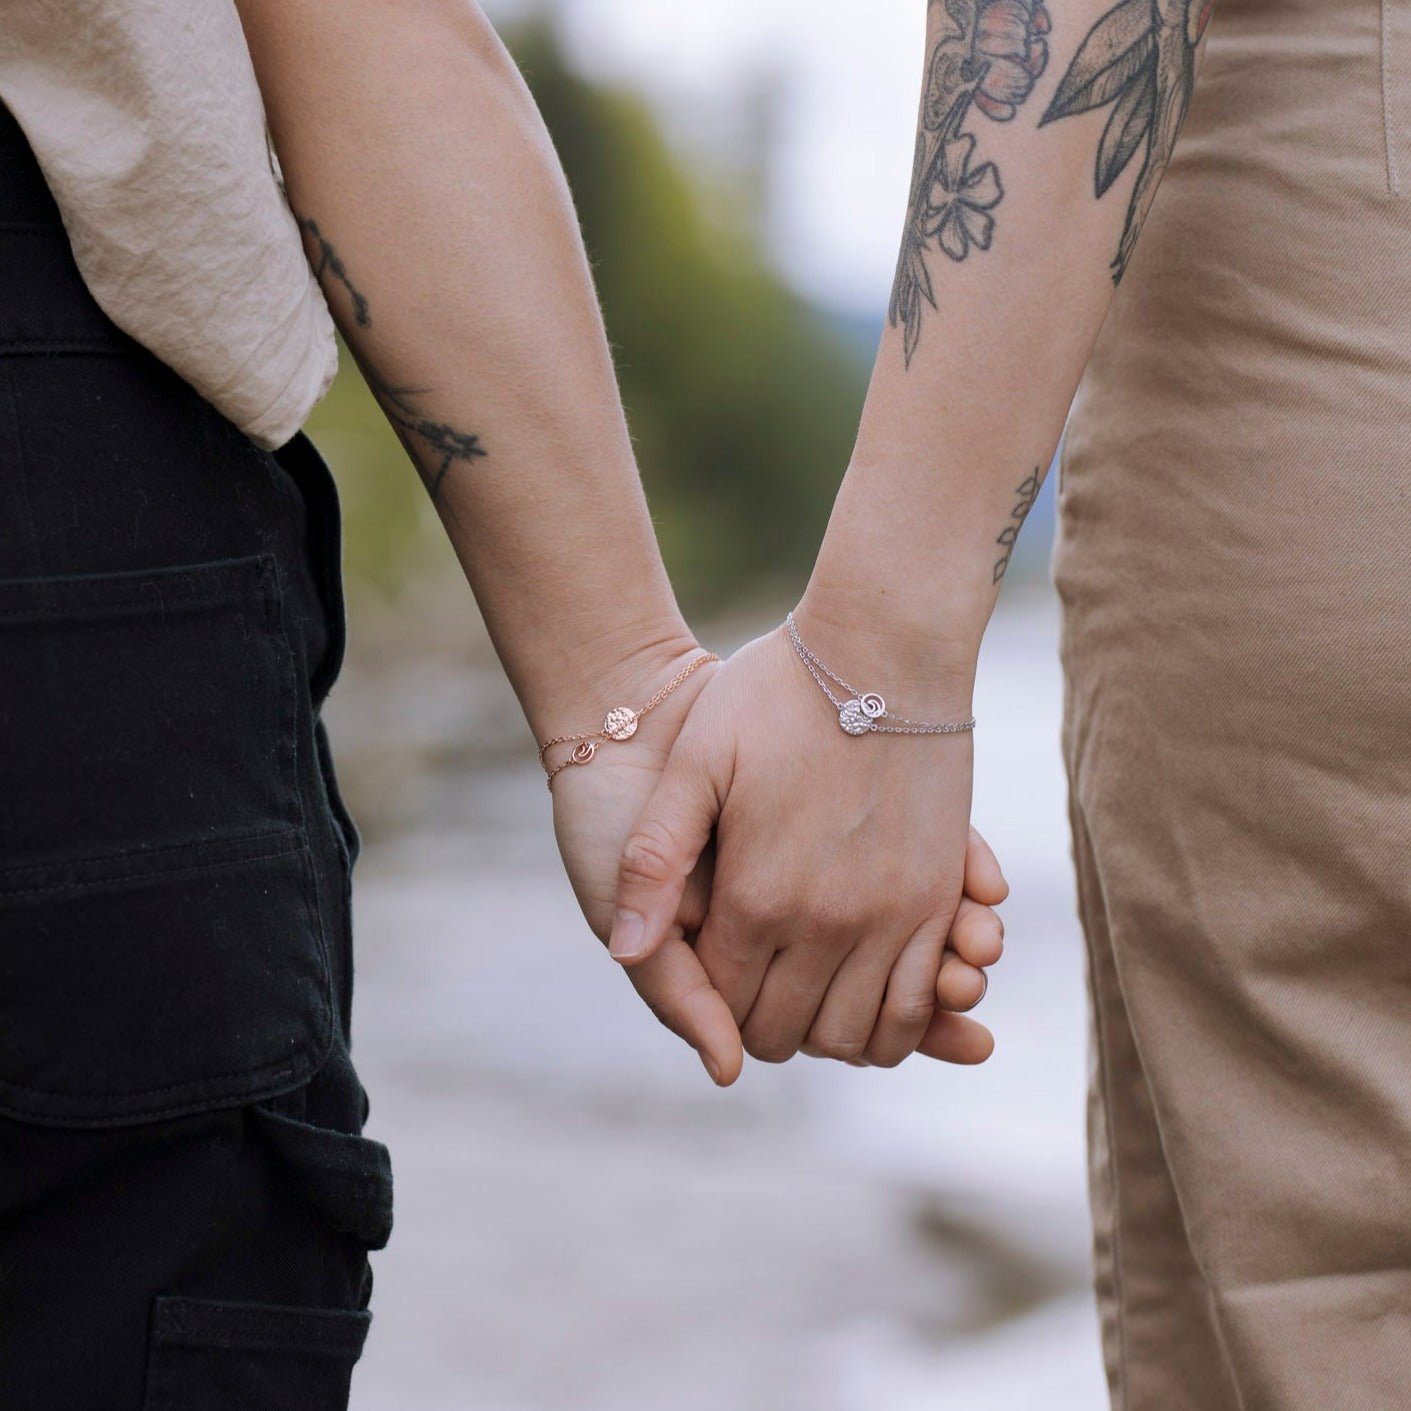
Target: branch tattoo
1139	58
1028	491
434	446
985	60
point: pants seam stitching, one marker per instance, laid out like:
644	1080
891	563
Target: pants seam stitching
1105	1078
1105	1068
1392	166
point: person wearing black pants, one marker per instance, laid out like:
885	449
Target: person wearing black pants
186	1202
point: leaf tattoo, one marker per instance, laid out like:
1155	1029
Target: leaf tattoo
1140	58
1028	491
986	59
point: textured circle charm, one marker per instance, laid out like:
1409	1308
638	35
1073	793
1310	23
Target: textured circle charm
873	706
853	717
620	723
583	754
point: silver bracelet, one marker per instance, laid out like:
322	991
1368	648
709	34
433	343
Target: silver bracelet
865	712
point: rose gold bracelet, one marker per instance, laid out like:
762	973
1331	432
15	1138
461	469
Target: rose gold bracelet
620	723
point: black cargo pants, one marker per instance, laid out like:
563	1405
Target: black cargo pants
186	1202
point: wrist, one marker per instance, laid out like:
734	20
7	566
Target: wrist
908	589
618	665
925	663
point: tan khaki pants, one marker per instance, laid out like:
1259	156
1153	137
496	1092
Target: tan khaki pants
1235	568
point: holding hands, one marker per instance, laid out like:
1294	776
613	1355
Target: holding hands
772	883
776	885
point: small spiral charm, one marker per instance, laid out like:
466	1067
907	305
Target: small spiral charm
873	706
583	754
620	723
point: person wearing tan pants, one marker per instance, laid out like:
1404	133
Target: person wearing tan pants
1235	570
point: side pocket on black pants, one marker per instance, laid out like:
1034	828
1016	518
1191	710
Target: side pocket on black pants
208	1356
161	946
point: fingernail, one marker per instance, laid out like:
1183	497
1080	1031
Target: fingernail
629	935
711	1067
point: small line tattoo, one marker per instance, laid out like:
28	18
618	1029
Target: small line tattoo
434	446
329	261
1028	491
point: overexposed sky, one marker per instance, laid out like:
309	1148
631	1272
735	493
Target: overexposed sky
847	73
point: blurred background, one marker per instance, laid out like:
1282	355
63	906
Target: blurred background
583	1223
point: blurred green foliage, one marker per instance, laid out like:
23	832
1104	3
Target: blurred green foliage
742	399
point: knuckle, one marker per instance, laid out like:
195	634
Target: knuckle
648	854
761	908
846	1048
909	1011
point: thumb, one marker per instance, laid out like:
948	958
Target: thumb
659	856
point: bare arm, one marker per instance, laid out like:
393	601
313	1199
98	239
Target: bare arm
839	859
436	214
437	217
1040	144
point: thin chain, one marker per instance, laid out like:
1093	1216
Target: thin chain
815	666
689	669
558	769
902	726
620	723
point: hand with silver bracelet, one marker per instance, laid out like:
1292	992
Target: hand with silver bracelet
594	812
840	857
496	373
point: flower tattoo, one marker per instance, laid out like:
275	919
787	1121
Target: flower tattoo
1010	39
986	60
958	212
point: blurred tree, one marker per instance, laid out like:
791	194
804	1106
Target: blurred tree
742	398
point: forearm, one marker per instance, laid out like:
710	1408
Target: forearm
1005	274
438	218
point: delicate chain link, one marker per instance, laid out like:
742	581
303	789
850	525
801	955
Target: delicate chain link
620	723
862	711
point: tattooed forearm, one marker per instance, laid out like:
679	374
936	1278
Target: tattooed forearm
1140	58
984	60
434	446
1028	492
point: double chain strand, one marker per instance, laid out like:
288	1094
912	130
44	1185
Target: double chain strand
865	712
620	723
